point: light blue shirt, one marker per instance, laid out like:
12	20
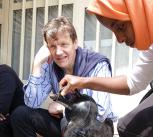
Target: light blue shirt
38	88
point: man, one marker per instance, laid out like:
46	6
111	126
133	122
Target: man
11	96
131	22
60	56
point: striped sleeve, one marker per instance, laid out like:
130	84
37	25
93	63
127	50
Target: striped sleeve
37	88
102	99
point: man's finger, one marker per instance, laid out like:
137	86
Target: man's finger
2	117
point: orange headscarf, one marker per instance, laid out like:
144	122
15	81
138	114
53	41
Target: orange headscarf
139	12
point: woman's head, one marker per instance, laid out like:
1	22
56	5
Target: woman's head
123	30
134	16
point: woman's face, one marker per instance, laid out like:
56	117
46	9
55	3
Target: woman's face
123	30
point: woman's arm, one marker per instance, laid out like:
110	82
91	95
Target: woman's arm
116	85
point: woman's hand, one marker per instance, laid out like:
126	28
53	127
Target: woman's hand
70	83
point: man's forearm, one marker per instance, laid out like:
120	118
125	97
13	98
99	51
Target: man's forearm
42	56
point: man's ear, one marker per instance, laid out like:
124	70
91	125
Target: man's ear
76	44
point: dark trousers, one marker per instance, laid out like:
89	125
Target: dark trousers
26	122
11	96
139	122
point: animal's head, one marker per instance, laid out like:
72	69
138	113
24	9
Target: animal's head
81	113
77	106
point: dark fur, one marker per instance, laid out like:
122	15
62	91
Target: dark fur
94	129
81	112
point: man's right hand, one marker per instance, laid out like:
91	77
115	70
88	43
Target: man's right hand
2	117
55	109
43	55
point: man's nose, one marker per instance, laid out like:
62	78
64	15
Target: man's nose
59	51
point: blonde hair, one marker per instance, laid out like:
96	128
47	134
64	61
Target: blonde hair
59	24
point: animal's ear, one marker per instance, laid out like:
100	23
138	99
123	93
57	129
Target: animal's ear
60	99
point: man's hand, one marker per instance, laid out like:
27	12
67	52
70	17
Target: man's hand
55	109
2	117
70	83
43	55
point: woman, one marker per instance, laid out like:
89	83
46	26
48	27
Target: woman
131	22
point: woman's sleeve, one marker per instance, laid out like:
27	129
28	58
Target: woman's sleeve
142	72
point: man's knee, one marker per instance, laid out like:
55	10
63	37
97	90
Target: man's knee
9	80
5	68
7	74
19	114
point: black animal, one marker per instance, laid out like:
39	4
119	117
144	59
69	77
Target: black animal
81	112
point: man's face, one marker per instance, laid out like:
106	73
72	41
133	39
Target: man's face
63	50
123	30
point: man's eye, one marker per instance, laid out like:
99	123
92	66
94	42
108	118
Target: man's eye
63	44
52	46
